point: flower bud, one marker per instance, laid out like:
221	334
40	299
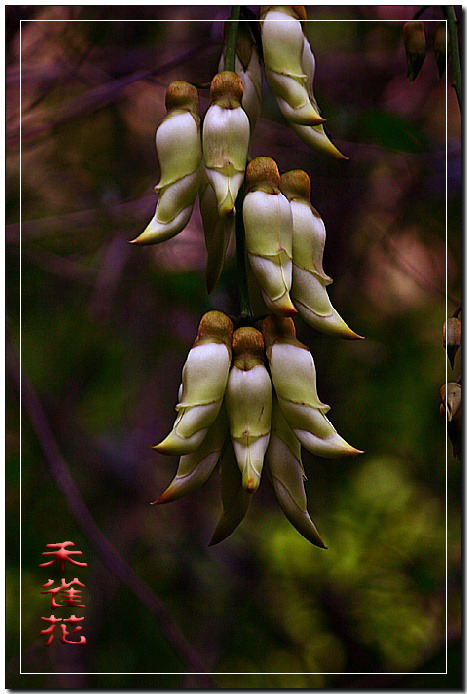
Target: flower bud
226	134
217	233
415	47
452	338
235	500
249	402
283	463
283	47
267	219
309	280
294	379
248	68
195	468
441	48
204	379
451	399
178	146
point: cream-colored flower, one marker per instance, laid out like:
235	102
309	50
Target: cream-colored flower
218	231
249	402
284	45
309	280
195	468
235	500
267	219
226	135
283	463
204	380
178	145
248	68
294	380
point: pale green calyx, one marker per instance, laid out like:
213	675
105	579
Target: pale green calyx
218	231
235	500
284	466
226	135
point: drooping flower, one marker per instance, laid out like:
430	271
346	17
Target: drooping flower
248	68
235	500
249	403
218	231
283	463
415	47
283	46
267	219
178	145
290	69
195	468
309	280
294	379
204	379
226	135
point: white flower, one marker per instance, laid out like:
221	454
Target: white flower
204	379
226	135
267	220
178	145
249	402
309	280
294	380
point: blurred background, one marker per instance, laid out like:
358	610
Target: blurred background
106	327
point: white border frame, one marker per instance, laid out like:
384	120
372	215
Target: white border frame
375	21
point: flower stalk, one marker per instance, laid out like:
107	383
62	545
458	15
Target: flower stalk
242	277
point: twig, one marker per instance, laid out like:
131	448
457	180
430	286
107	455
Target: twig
99	97
420	11
242	279
116	564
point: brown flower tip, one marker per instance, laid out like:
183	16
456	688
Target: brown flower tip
295	183
275	327
181	95
248	347
215	325
414	37
262	170
300	11
296	11
227	85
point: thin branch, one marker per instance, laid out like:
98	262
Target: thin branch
420	11
99	97
116	564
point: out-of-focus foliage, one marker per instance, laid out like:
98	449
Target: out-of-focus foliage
106	328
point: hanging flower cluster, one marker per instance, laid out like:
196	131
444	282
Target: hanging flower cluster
248	396
248	399
285	239
210	161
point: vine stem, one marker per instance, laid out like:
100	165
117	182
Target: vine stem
242	277
231	42
450	14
